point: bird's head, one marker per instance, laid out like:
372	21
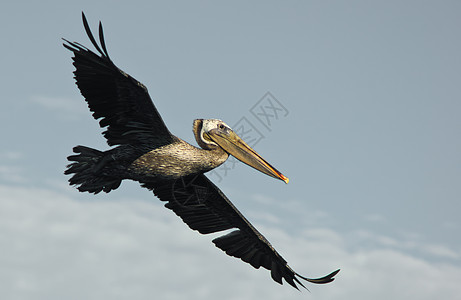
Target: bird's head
213	133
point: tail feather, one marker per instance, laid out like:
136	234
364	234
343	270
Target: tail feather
89	167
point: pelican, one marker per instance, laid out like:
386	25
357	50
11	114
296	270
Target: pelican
144	150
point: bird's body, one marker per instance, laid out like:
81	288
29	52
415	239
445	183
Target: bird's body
177	160
145	151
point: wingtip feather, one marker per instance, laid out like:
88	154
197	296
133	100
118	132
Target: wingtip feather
102	41
322	280
90	34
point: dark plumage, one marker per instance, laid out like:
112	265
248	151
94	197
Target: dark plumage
146	151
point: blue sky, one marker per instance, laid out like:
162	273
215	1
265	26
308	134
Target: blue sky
370	139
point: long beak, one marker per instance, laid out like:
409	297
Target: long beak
236	147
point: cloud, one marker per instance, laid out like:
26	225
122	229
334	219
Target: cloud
441	251
376	218
55	246
11	155
64	108
9	171
12	174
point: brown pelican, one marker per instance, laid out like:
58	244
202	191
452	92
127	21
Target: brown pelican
146	151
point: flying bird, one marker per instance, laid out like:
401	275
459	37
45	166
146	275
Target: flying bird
144	150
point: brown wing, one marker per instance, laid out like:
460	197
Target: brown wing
122	103
203	207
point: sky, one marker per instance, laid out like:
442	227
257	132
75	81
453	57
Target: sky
358	103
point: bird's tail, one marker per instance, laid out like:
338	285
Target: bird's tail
91	172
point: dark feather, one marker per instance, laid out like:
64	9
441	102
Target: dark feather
122	103
101	39
90	34
202	206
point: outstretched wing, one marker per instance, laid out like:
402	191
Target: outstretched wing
203	207
122	103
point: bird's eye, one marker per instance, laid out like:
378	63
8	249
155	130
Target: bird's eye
221	126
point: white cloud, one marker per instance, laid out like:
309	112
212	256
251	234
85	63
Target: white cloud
64	108
9	172
55	247
11	155
441	251
12	174
375	218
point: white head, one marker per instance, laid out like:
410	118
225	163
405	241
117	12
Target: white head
214	134
202	126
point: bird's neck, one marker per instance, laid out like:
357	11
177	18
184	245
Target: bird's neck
213	157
